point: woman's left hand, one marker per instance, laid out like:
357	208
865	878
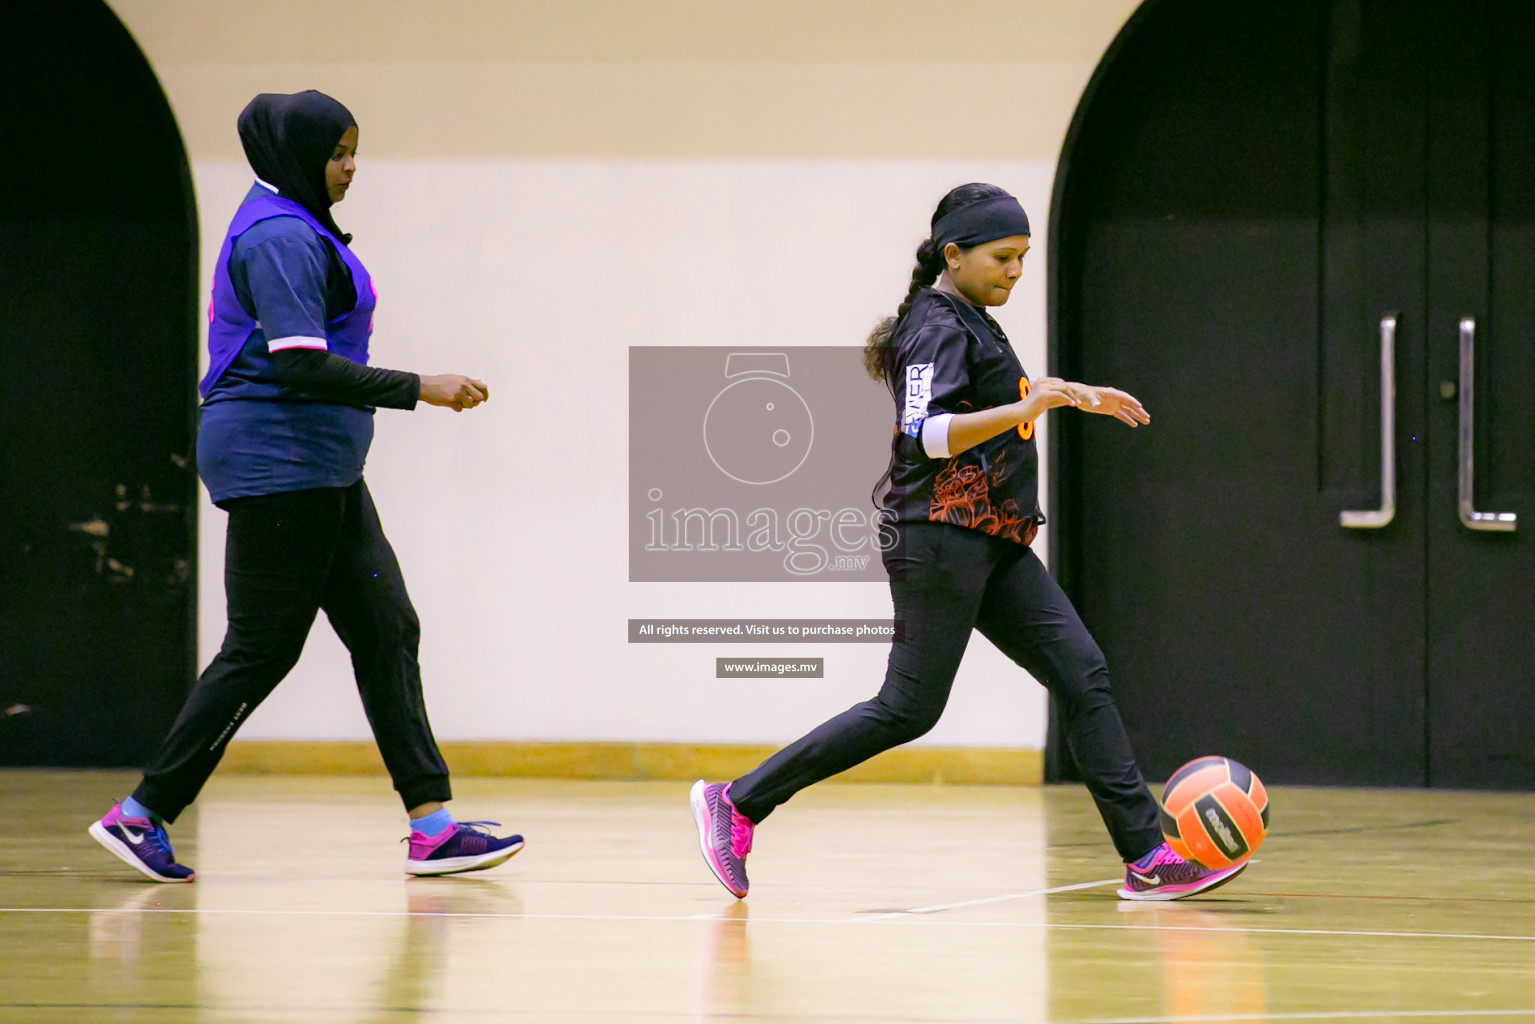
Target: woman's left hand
454	391
1124	407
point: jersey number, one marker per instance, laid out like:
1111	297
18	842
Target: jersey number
1026	429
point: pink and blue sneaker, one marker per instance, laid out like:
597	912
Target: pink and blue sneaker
724	834
140	843
462	846
1163	875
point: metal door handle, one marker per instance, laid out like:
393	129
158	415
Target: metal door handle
1470	518
1375	518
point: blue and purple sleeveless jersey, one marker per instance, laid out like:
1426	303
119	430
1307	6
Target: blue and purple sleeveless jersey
276	287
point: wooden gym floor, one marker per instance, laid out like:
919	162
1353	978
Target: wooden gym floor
869	903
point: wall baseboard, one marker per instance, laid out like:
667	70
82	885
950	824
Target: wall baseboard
972	766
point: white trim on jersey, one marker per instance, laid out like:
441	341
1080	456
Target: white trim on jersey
935	435
296	341
268	185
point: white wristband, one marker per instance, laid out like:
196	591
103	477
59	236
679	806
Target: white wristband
935	435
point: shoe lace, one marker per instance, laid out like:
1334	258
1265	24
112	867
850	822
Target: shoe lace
1162	856
482	827
741	830
1177	867
161	841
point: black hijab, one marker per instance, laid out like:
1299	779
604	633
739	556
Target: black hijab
288	139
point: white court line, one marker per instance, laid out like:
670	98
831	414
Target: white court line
995	899
937	907
946	921
1346	933
1316	1015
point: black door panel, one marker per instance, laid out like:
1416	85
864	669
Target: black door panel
1236	279
1481	594
98	349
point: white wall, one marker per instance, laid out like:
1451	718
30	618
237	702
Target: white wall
510	520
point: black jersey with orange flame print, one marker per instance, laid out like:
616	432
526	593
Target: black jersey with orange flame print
951	357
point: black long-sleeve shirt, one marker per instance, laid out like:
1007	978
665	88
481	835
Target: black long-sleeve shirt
332	378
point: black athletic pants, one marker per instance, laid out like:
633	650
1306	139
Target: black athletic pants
947	580
287	556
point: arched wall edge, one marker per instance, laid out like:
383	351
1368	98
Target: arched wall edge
1075	150
192	334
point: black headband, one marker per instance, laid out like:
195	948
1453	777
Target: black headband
985	221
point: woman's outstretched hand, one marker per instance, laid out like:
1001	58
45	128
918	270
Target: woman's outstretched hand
968	429
1052	393
1124	407
454	391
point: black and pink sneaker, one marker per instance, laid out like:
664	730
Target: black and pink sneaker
724	834
462	846
1170	877
140	843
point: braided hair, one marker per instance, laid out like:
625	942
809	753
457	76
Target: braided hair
877	354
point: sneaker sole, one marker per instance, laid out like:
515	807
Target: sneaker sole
1215	881
458	865
124	853
702	821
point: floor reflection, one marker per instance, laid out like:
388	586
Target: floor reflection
725	965
1184	959
115	933
1207	969
440	915
133	936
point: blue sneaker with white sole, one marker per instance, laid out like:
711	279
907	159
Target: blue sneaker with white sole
141	844
462	846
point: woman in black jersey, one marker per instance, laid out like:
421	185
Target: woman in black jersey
963	504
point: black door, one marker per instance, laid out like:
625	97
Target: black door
1253	235
98	352
1481	293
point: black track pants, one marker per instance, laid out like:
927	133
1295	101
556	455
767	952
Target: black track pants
286	557
947	580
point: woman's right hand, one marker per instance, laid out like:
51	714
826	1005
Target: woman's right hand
454	391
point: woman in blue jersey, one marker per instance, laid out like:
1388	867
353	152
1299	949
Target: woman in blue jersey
963	504
285	425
